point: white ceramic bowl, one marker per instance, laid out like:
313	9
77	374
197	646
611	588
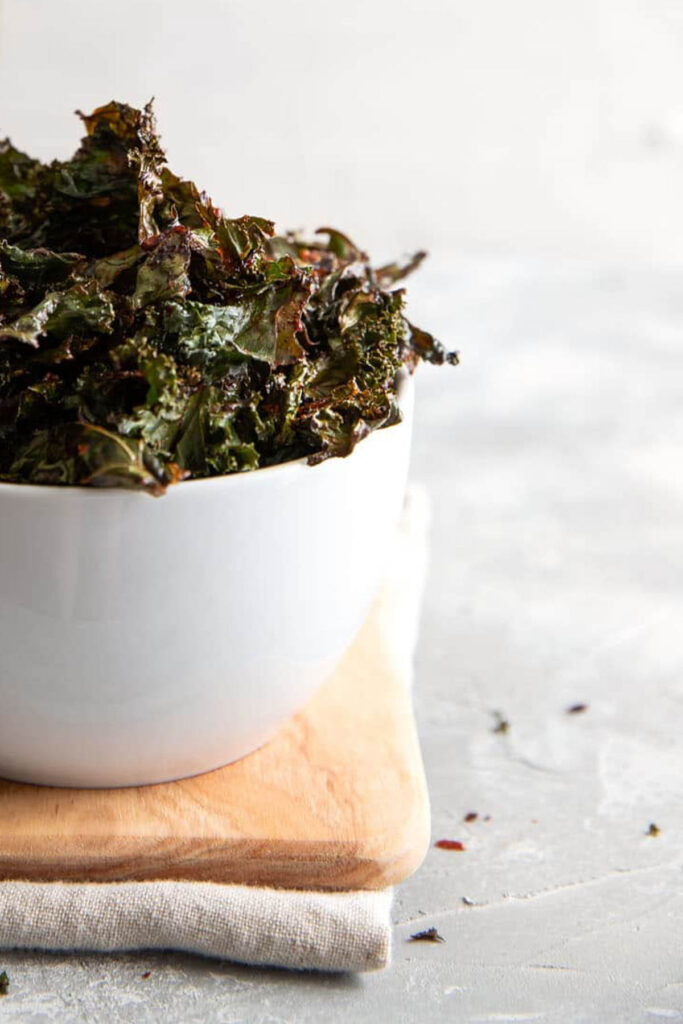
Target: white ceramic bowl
144	639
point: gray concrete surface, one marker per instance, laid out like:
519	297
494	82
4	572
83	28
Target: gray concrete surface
553	455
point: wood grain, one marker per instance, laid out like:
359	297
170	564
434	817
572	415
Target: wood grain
336	800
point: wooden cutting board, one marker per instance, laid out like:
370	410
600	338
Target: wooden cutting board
336	800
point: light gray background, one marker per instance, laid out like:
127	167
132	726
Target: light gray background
536	148
535	124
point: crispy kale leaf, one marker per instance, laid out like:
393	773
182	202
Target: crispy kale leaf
145	337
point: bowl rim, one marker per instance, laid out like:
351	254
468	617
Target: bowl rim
404	386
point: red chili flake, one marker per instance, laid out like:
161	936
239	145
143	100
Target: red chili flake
576	709
145	974
150	243
450	844
428	935
471	816
501	724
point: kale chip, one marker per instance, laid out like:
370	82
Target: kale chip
145	337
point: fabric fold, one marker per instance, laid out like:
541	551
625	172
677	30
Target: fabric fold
346	931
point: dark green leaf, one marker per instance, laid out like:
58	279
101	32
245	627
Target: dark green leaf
88	454
37	268
209	442
342	246
164	274
424	346
145	336
393	272
80	309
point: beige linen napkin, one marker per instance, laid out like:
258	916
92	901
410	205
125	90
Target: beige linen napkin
345	931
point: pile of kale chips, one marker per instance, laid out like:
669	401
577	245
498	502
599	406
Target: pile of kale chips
146	338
